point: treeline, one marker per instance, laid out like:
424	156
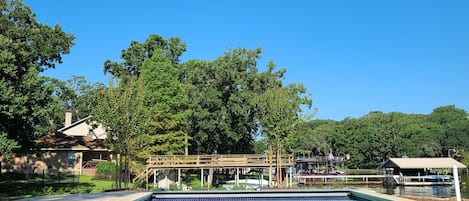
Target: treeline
154	103
377	136
157	104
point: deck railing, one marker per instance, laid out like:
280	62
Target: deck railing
216	161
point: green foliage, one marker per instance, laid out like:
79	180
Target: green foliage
122	113
105	170
27	48
137	53
167	101
260	147
378	136
222	100
106	167
196	184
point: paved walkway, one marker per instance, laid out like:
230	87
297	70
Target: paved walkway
109	196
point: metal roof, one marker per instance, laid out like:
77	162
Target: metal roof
420	163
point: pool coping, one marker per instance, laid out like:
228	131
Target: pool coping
363	193
108	196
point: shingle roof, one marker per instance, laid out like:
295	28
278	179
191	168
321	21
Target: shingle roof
62	141
420	163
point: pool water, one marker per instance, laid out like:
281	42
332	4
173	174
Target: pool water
270	195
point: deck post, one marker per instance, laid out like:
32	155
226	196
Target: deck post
179	178
260	179
202	177
291	177
154	178
246	177
237	177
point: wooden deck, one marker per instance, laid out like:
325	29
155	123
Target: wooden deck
222	161
216	161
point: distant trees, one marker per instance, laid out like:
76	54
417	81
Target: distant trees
375	137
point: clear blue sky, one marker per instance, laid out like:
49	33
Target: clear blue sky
353	56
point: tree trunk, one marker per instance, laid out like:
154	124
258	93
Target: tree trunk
119	173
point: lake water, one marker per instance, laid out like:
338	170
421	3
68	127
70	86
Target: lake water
429	191
432	191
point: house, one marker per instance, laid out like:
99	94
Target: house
77	147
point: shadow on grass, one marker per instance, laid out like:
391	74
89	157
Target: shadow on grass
14	188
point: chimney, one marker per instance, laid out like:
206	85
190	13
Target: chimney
68	117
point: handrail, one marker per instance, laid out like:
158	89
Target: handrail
217	160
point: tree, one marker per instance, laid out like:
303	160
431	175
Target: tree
122	113
167	101
279	116
137	53
75	94
27	48
222	100
454	123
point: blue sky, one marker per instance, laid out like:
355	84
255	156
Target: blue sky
353	56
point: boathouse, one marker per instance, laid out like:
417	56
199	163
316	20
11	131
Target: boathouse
421	171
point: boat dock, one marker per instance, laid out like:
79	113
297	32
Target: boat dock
346	179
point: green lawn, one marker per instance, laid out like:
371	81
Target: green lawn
21	187
98	185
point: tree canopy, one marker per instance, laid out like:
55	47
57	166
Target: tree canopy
27	100
377	136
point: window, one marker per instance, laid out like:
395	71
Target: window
71	158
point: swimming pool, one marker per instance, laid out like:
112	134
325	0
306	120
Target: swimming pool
265	195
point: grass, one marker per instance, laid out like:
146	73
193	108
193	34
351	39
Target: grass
18	186
98	185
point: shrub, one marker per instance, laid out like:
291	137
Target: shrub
106	170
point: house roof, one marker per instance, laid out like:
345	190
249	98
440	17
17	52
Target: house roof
61	141
73	124
420	163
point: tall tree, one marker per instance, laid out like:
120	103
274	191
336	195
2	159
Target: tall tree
27	48
279	116
122	113
167	101
137	53
222	95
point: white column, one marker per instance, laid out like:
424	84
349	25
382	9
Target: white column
154	179
179	178
456	183
237	177
262	179
202	177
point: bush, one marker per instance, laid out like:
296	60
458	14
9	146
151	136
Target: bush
106	170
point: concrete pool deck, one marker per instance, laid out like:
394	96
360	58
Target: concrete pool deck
379	195
108	196
146	195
